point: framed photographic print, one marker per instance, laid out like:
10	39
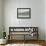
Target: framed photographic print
23	13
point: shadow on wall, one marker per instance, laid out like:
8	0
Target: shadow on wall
1	34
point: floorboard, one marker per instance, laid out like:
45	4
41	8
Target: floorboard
25	43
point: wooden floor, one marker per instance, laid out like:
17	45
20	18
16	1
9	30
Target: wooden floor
40	42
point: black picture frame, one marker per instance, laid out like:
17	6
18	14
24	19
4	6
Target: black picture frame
23	13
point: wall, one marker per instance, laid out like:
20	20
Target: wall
37	15
45	19
0	18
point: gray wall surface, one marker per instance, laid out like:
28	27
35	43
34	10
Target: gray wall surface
45	19
0	18
37	15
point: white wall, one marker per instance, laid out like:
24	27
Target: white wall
37	15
